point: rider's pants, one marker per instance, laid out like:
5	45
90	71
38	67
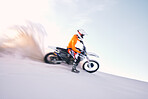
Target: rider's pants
75	55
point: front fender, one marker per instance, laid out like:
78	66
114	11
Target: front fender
93	54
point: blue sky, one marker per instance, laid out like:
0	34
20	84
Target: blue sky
117	29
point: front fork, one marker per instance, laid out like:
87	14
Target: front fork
88	62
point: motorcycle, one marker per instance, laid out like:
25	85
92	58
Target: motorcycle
61	55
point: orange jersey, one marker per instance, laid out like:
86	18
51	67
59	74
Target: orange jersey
73	42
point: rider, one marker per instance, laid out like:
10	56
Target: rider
75	51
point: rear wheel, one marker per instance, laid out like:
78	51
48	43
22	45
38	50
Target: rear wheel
50	58
91	66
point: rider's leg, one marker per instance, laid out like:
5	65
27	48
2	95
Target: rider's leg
75	64
76	60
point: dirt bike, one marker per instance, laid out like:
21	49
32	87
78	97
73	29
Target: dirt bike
61	55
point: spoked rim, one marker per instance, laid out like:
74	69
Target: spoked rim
48	57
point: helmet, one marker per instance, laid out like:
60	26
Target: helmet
81	33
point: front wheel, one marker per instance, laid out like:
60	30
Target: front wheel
91	66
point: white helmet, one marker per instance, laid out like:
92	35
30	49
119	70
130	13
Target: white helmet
81	33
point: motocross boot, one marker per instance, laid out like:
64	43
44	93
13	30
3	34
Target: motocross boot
74	68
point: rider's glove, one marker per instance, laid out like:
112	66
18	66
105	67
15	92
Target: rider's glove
81	41
82	52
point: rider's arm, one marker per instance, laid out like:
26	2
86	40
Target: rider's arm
74	48
74	41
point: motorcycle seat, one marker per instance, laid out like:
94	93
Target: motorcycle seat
62	49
